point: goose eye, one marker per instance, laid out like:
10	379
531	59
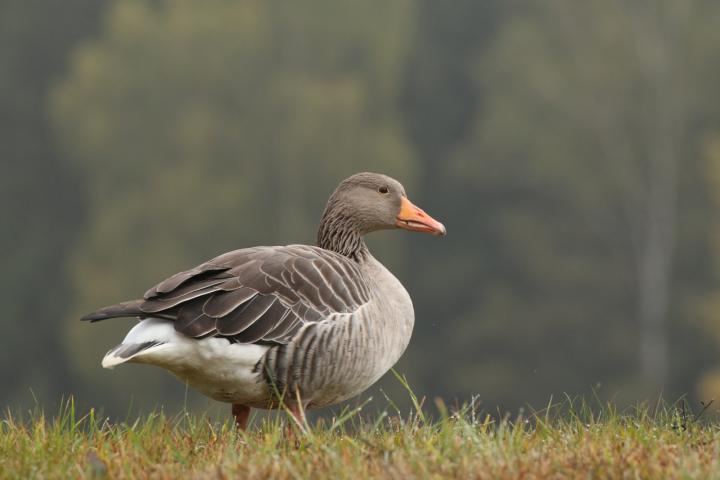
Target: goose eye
384	190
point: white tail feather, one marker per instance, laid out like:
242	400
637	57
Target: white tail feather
126	352
148	336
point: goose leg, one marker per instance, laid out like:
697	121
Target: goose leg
298	421
241	414
298	413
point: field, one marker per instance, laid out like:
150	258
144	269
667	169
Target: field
568	440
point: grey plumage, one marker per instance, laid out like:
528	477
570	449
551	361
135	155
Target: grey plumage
127	351
261	294
330	318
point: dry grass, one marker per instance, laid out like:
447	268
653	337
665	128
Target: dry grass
565	441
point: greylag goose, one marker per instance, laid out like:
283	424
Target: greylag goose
299	326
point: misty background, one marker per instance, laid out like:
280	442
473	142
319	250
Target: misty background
572	149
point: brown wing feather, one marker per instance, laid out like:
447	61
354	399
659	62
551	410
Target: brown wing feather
261	294
222	303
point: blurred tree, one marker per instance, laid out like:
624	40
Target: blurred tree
207	126
708	307
588	110
440	101
40	195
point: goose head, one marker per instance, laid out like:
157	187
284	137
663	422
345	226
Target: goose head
373	201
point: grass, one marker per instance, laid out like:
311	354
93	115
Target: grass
569	440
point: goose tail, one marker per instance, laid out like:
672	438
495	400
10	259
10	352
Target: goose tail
125	352
142	343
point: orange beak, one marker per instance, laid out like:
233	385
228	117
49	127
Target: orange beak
413	218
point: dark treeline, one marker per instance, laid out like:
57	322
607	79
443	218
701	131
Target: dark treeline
571	148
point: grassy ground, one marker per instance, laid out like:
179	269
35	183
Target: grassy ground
565	441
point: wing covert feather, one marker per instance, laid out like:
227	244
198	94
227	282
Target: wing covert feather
260	294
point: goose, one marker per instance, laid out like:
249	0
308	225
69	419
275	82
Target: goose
296	326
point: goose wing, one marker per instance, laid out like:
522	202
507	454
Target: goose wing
252	295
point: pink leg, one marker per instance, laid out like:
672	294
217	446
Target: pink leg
241	414
298	419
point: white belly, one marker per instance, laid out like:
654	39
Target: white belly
217	368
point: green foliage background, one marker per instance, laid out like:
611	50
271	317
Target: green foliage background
570	147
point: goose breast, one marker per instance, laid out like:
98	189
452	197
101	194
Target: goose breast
341	356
